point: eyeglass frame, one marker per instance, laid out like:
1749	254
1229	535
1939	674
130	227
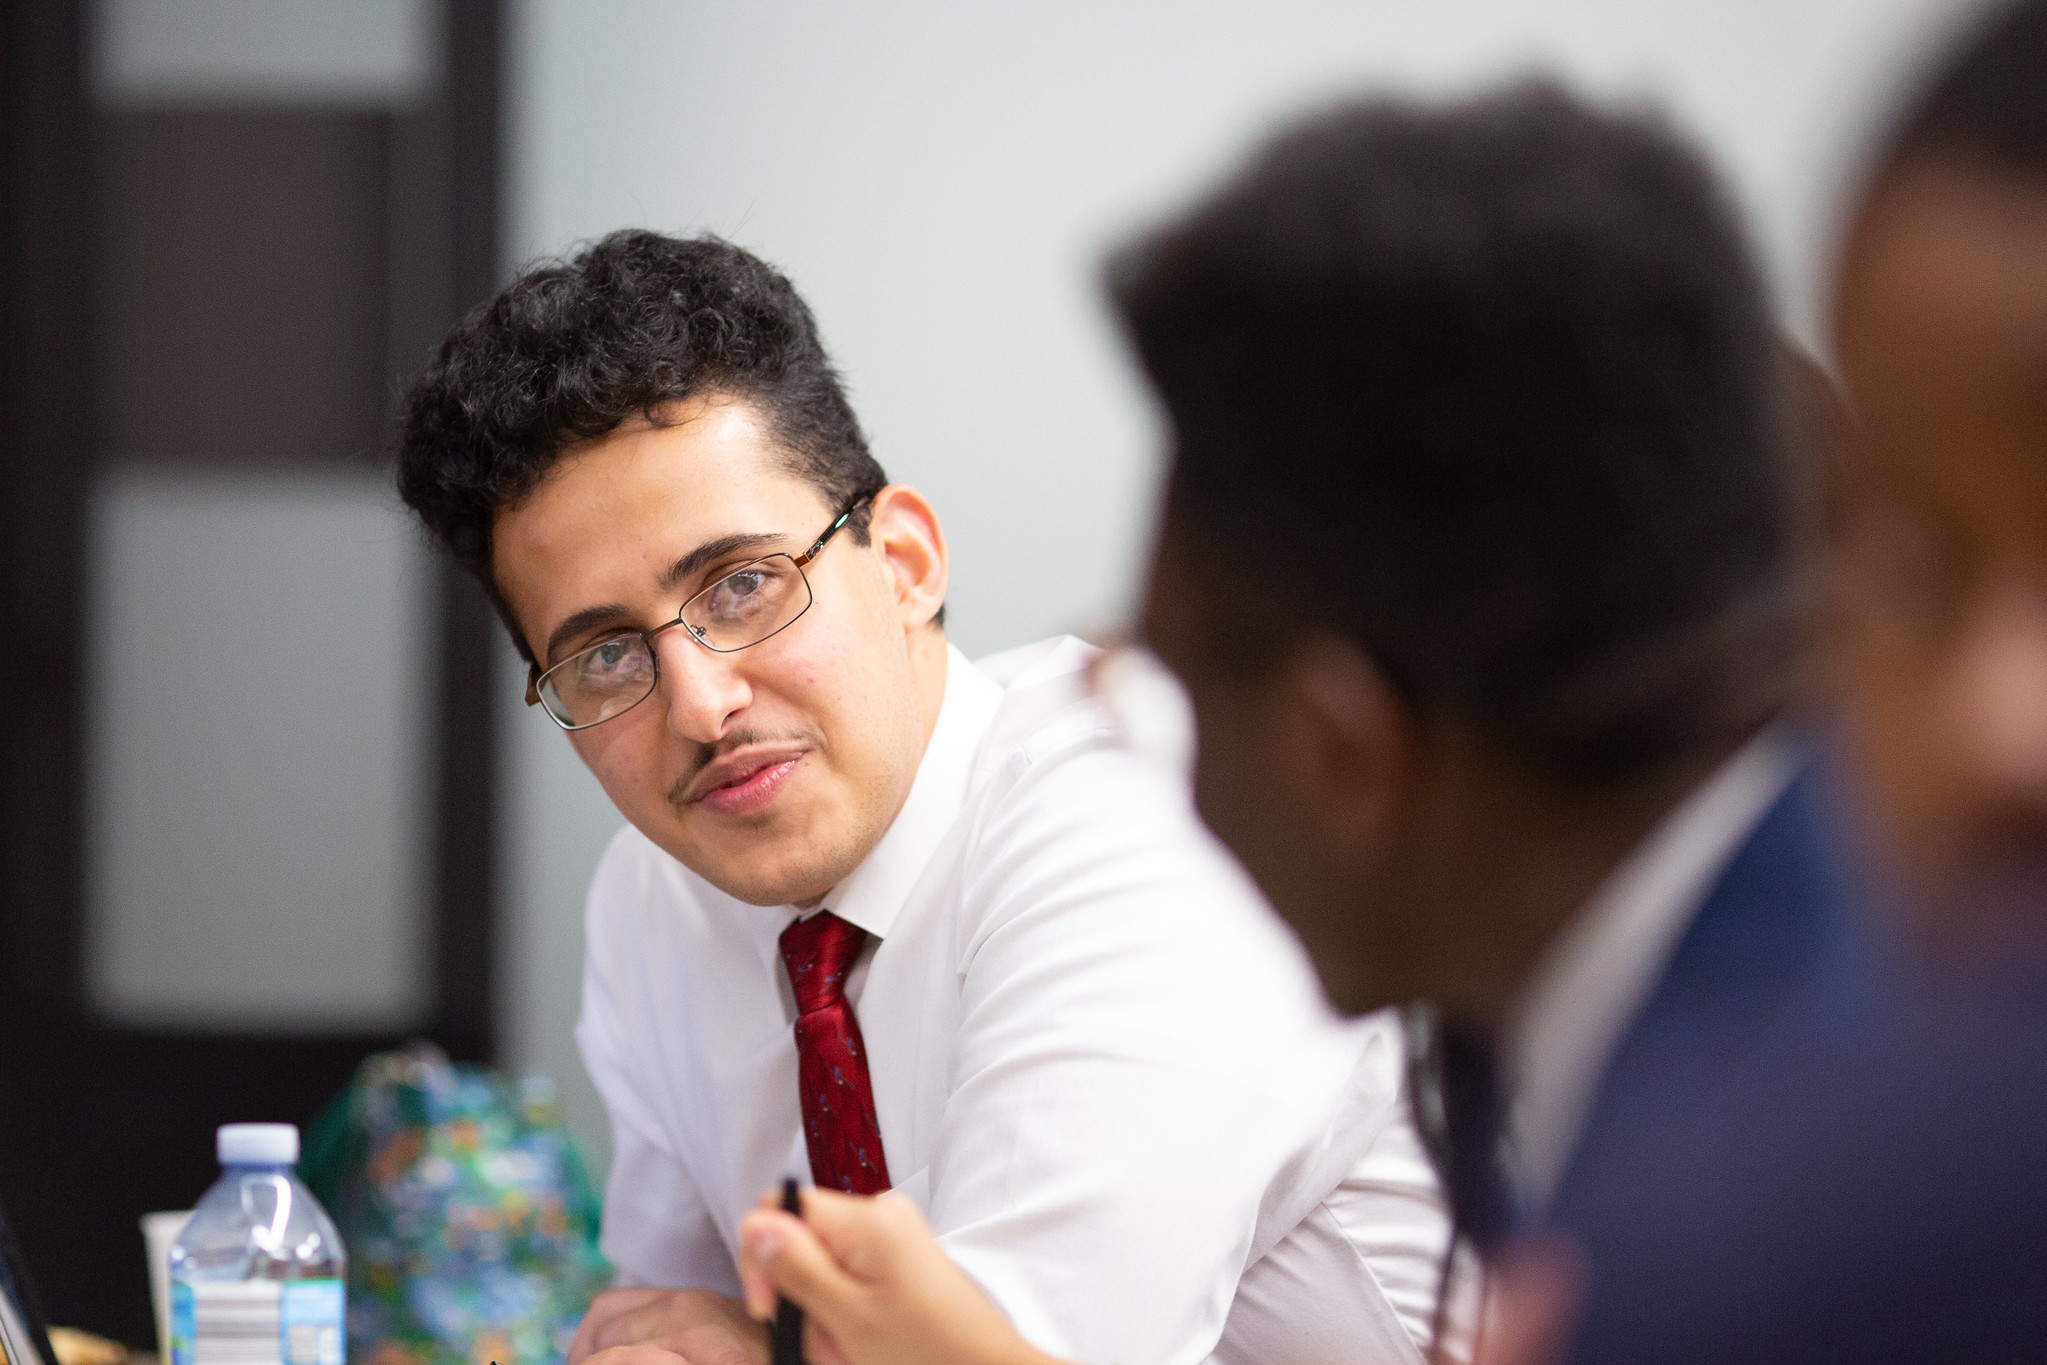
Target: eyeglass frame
536	675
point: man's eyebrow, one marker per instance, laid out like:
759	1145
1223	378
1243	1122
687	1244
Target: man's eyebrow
612	613
710	550
608	614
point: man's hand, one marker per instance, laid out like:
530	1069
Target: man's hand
1536	1293
876	1287
636	1355
655	1326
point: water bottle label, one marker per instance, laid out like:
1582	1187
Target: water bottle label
314	1329
234	1323
181	1323
258	1322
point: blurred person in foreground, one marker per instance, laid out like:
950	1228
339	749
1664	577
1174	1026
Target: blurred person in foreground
1480	561
1875	1186
883	914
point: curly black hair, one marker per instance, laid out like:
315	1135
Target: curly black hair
572	350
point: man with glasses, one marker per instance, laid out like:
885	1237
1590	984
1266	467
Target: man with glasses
882	915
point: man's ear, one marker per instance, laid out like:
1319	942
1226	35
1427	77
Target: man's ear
1356	742
905	535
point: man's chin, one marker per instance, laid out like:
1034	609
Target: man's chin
772	868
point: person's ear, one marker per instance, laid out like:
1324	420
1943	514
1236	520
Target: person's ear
1355	744
905	535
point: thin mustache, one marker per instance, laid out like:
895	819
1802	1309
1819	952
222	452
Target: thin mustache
707	754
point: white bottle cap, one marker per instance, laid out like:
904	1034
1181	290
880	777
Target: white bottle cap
257	1144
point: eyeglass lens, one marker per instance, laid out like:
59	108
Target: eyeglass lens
743	608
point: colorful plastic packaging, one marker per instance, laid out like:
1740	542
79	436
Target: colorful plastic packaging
470	1216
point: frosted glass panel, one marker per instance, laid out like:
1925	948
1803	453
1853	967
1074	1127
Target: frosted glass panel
259	677
293	51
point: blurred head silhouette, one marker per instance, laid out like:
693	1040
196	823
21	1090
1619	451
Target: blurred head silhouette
1478	547
1940	532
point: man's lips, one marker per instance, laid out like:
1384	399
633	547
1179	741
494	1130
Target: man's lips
743	782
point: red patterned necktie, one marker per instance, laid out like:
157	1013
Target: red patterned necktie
839	1126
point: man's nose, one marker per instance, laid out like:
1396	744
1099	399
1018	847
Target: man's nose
2000	710
703	691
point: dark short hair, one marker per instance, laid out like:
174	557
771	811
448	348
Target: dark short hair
573	350
1987	103
1493	388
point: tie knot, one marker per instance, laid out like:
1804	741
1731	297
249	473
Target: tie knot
818	952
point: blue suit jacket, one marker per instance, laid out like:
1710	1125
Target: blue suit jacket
1777	919
1801	1154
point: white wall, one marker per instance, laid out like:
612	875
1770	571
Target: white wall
939	180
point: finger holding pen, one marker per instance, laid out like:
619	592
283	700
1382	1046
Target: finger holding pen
787	1333
876	1286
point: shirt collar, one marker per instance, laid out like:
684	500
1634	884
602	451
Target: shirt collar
1596	976
872	894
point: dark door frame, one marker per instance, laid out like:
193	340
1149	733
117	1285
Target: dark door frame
465	861
46	437
87	1111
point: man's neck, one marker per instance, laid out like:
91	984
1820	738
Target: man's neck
1533	857
928	662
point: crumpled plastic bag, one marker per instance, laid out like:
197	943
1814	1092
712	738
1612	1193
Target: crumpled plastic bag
469	1215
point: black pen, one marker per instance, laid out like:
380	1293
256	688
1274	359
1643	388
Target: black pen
788	1317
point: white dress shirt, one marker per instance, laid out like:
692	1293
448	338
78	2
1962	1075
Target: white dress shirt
1101	1066
1594	980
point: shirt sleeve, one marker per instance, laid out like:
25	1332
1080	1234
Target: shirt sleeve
658	1230
1141	1050
1349	1253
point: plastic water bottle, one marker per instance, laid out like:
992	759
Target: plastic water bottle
258	1274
